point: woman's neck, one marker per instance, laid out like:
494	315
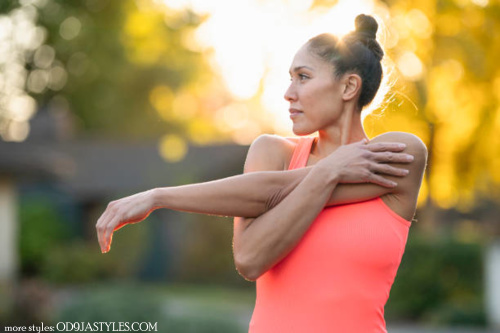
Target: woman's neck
346	130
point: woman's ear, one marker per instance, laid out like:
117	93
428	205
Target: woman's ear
352	86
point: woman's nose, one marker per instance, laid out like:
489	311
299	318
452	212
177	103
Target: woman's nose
290	94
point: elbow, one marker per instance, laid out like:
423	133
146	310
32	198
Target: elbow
248	269
248	273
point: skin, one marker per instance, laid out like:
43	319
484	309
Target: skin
274	207
320	103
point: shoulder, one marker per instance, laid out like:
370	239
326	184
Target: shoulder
403	198
269	153
414	145
410	184
408	138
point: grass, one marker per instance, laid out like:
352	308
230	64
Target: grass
176	308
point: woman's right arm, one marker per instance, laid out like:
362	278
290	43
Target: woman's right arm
259	243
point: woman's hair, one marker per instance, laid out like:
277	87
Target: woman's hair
357	52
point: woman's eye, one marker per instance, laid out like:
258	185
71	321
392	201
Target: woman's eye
301	77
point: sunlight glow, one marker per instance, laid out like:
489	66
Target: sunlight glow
419	23
253	44
481	3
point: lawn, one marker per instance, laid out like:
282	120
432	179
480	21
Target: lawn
176	308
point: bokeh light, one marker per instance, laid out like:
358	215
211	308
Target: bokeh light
21	40
173	148
70	28
252	44
410	66
19	36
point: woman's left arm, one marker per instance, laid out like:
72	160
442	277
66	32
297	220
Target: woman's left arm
248	195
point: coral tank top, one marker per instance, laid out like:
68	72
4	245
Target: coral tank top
338	277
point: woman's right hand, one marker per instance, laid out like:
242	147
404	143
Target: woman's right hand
367	163
131	209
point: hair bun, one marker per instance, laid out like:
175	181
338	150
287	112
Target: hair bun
366	26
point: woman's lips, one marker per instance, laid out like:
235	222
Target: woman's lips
294	113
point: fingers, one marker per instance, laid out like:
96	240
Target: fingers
105	228
100	229
380	180
386	146
389	152
378	172
108	235
113	226
392	157
389	170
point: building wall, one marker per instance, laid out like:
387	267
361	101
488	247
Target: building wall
8	243
492	287
8	230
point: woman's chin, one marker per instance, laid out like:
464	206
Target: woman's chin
301	131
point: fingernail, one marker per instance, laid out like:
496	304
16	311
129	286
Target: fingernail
410	158
405	171
393	184
401	145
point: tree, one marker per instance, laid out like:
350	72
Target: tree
446	54
118	67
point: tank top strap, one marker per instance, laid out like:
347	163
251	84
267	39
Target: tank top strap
301	153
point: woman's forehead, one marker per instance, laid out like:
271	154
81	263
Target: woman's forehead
304	58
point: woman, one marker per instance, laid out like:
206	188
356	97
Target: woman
320	222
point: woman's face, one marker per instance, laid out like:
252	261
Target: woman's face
314	95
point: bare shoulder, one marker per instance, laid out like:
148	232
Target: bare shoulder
404	197
269	152
413	142
414	146
404	137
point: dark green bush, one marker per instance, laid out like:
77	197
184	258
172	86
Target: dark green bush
441	281
41	228
50	250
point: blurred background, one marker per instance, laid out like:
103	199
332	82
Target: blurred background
100	99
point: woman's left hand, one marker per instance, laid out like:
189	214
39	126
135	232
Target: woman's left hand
131	209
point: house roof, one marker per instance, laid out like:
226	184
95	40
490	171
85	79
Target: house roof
102	168
28	160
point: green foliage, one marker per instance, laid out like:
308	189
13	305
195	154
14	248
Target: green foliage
42	227
50	251
110	76
7	5
113	54
75	262
208	253
439	281
452	314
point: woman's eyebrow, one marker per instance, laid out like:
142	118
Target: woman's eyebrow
298	68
